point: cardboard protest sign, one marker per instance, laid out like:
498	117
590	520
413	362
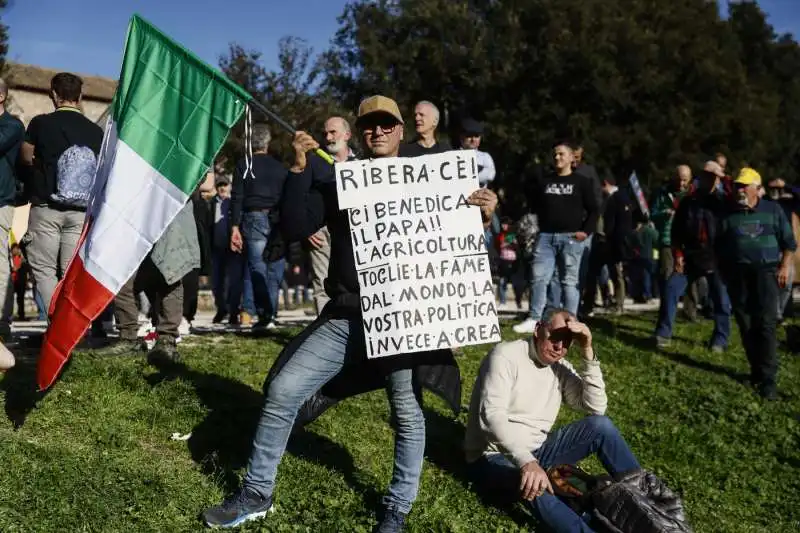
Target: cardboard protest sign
420	252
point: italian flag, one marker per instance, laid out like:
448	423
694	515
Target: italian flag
170	117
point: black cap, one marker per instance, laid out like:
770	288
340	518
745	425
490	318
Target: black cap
470	125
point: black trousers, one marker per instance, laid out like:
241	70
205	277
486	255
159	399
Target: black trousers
753	291
191	290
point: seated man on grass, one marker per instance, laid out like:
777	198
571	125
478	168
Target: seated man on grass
516	399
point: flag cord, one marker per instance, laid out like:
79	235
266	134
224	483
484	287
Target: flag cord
248	143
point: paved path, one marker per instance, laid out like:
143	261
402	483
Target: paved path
299	317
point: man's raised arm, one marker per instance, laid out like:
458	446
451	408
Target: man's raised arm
584	390
302	205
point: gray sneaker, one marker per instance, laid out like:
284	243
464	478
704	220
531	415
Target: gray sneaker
241	507
663	342
165	350
393	522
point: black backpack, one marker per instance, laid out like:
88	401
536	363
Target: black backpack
635	502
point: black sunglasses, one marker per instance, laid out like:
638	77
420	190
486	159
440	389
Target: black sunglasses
562	334
386	122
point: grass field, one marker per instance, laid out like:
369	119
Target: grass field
96	455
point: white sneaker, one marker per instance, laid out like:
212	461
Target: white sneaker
527	326
185	328
144	329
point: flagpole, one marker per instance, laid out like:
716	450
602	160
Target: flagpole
286	126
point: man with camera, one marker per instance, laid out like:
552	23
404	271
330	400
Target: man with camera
517	396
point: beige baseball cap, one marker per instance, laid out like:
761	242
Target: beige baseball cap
379	104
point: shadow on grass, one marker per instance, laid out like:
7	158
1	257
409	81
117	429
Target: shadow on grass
444	448
222	442
705	366
630	337
19	383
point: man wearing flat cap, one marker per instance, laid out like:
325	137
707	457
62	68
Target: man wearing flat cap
471	134
755	248
320	352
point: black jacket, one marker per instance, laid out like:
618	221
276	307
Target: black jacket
12	132
204	218
618	225
310	201
694	229
260	191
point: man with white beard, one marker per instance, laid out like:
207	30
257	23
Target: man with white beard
337	138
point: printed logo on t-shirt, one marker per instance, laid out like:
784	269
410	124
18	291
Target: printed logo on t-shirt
751	229
560	189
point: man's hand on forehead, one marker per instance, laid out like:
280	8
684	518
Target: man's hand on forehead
581	334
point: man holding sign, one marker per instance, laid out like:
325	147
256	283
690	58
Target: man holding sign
337	337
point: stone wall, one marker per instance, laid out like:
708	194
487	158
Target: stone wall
28	104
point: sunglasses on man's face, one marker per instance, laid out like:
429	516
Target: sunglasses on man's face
562	335
387	124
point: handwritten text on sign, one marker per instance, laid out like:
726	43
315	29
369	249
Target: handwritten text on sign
420	252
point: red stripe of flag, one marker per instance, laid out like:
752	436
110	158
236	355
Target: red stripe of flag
78	300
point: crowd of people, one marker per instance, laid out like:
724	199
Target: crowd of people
269	225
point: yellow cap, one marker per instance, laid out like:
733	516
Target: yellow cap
379	104
748	176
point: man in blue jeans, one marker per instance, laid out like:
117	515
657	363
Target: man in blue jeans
693	235
516	399
255	198
337	336
567	209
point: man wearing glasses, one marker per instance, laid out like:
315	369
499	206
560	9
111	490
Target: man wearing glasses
320	352
756	245
517	396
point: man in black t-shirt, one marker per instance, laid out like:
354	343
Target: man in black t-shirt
58	186
567	209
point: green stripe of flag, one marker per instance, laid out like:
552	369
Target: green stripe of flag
171	108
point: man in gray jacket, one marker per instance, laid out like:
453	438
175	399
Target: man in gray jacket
174	255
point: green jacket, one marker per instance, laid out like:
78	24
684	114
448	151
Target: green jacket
12	133
177	252
666	198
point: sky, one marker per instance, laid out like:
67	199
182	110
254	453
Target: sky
87	36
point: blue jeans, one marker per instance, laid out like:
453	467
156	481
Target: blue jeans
555	254
266	276
675	287
315	362
40	307
240	295
567	445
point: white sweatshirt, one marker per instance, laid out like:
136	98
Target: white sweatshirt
515	402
